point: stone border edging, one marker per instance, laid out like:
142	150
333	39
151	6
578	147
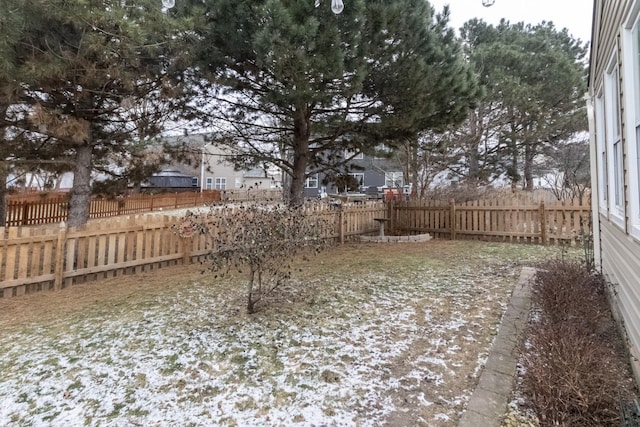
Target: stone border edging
488	403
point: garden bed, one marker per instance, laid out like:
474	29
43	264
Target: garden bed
574	365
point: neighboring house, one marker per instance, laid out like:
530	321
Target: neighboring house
614	101
372	173
217	173
210	170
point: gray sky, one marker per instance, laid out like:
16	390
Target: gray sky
575	15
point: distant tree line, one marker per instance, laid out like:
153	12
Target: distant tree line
87	86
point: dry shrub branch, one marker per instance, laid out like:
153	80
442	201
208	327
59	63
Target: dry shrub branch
575	362
260	239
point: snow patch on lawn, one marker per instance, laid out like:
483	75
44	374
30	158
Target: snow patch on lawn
183	361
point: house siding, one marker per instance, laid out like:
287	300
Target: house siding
619	251
372	168
620	258
609	17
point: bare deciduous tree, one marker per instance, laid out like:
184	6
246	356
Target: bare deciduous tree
261	238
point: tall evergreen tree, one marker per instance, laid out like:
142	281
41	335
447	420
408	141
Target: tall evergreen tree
534	78
79	68
294	85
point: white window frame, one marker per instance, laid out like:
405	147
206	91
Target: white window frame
209	183
195	181
221	183
601	160
238	182
311	181
613	129
631	43
391	179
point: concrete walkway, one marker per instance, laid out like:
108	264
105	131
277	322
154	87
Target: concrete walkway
488	403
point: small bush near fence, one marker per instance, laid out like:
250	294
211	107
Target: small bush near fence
576	369
261	239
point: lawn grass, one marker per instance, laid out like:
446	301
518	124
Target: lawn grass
364	335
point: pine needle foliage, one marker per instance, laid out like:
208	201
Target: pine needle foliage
89	77
294	85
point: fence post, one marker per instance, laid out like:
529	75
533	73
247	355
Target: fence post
390	215
452	219
341	221
187	247
543	225
176	203
59	268
25	214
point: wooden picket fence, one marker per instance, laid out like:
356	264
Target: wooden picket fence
241	195
496	220
55	256
32	209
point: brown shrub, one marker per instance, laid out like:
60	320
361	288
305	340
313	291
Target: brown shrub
576	370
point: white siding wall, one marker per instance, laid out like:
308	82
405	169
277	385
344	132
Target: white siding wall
620	245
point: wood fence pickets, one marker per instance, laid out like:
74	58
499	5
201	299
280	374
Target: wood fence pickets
121	247
10	260
148	245
156	250
130	243
36	251
24	210
22	261
45	257
139	247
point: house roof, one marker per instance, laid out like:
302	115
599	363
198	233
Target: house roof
171	173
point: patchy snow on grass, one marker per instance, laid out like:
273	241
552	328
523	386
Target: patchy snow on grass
363	350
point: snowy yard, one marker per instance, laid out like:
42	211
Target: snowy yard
367	336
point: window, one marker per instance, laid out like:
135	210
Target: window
209	183
238	182
602	154
393	179
221	183
352	155
311	181
634	146
614	141
617	168
194	181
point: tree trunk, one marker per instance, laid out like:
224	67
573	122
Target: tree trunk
473	177
529	154
413	169
251	304
4	167
80	200
300	156
4	173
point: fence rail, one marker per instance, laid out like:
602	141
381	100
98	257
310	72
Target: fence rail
494	220
274	195
34	210
55	256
